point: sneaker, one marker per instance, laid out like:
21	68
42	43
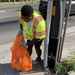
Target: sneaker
36	61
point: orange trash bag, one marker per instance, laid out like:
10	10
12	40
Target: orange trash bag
20	57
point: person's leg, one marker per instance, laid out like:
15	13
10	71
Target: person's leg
30	48
38	51
37	48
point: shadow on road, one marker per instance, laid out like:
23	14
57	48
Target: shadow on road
5	69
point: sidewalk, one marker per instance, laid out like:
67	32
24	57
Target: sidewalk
5	56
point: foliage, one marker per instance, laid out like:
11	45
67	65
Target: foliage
15	0
11	0
65	66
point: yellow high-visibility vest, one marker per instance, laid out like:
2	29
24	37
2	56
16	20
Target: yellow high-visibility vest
38	28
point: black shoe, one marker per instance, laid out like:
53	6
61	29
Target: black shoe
36	61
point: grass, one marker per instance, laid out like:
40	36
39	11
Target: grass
66	66
18	3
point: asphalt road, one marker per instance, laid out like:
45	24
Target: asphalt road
9	29
8	32
9	25
10	13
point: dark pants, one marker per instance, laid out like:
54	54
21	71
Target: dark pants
37	48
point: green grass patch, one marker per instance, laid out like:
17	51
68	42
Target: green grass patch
66	66
18	3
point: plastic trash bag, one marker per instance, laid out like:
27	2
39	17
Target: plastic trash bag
20	57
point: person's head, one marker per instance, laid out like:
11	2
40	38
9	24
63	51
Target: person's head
27	13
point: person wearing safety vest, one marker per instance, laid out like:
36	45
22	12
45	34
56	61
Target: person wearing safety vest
34	26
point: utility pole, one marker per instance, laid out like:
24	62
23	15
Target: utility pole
65	28
14	1
32	1
9	1
55	13
26	1
48	25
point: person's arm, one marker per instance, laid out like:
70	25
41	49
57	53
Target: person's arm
21	27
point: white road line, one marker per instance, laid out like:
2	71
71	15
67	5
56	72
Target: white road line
2	11
8	17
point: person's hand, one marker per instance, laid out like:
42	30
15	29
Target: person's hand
23	43
20	31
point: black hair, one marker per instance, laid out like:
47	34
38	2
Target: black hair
27	10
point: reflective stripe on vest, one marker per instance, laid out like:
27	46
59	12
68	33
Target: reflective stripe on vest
42	33
29	35
36	23
20	20
37	20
